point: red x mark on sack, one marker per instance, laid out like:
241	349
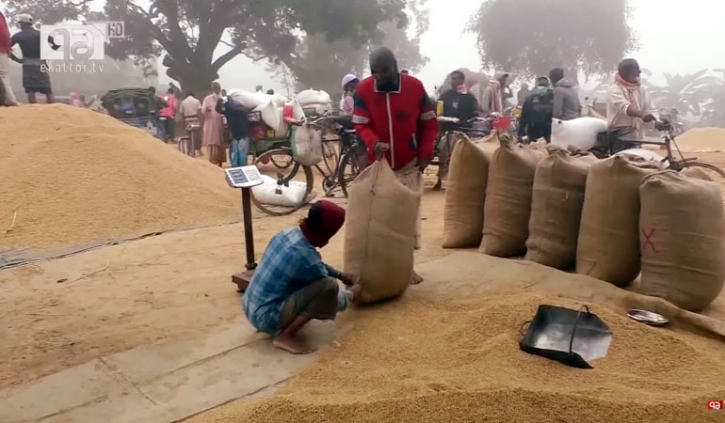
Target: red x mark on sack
648	240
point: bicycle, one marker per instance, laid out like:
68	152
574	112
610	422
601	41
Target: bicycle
444	146
188	142
612	143
351	150
290	173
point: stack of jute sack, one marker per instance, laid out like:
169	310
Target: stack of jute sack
667	225
610	219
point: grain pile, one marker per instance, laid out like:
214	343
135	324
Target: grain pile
429	359
69	176
703	139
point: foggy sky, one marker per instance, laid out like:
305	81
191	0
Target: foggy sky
675	36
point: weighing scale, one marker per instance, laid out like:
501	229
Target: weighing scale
244	178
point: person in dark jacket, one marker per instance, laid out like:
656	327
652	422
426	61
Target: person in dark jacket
537	111
460	104
238	123
566	96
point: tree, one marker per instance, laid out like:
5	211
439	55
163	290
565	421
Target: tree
685	92
713	110
189	31
321	63
532	36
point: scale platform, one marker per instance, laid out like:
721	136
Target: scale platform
243	177
242	280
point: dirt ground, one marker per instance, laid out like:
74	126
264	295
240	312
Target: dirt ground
61	313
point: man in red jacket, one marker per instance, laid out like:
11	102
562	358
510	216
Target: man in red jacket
396	120
9	98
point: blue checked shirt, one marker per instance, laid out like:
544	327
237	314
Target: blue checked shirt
289	264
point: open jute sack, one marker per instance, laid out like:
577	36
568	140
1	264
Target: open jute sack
466	193
608	245
380	232
508	198
682	229
556	208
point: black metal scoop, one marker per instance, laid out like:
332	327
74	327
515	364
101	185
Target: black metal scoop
572	337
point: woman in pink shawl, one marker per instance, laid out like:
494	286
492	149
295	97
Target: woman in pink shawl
213	126
493	94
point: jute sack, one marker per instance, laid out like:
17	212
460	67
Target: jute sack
466	193
556	209
508	198
380	232
682	229
608	245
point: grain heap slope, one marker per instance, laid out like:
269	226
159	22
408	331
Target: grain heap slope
440	360
703	139
70	176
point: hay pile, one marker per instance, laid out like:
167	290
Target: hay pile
71	176
428	359
703	139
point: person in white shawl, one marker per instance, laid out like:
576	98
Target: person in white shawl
628	104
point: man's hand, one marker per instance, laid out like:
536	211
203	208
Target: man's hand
423	164
356	291
649	117
347	279
664	125
380	149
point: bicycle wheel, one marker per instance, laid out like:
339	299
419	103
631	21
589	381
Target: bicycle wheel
349	168
293	188
282	163
330	156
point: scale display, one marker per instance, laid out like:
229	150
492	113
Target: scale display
243	177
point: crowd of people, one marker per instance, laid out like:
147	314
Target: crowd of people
395	120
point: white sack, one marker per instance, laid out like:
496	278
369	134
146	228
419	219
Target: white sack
269	115
245	98
271	194
313	97
580	133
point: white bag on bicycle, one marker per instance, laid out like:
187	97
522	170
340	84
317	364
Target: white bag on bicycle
306	145
580	133
272	194
313	97
269	115
248	100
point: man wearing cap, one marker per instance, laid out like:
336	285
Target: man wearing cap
293	286
35	70
349	88
8	98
